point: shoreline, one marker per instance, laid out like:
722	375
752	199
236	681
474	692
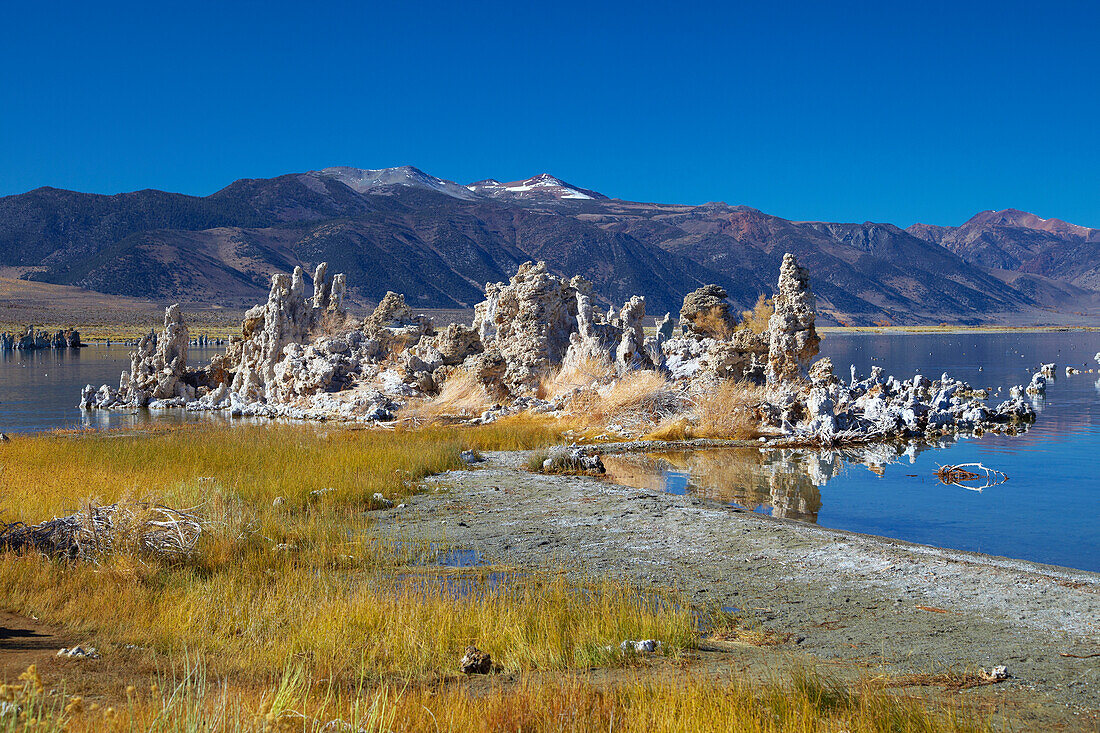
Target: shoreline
838	595
656	446
927	330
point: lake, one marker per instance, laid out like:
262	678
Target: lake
39	389
1047	510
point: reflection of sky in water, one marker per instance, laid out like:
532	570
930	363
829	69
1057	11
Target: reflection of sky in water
1047	511
460	558
676	482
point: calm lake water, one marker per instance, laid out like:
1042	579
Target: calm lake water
39	389
1047	511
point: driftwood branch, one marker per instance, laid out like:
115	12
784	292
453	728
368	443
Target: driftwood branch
960	474
98	530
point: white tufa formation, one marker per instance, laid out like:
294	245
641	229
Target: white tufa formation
793	340
287	318
304	358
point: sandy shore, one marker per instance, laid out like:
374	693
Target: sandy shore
882	604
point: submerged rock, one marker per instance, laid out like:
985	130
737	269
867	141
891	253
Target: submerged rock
883	407
1038	384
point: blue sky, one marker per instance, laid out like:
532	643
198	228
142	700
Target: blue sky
840	111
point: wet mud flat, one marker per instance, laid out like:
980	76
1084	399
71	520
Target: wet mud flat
873	603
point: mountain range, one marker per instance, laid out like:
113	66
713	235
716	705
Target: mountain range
439	242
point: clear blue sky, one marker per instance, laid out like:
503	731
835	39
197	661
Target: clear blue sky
877	111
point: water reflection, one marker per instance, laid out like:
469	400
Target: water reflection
783	482
37	390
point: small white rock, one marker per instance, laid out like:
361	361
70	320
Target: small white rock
645	646
79	653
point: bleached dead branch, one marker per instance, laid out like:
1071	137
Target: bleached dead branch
959	474
98	530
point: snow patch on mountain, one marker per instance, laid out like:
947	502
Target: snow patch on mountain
541	187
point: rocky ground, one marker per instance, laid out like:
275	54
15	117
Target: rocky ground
864	602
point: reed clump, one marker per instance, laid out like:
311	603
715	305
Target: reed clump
756	318
636	402
462	395
577	374
729	411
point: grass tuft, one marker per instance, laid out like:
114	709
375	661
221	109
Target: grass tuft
728	411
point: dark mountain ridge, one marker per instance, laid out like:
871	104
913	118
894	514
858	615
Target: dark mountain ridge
439	242
1021	242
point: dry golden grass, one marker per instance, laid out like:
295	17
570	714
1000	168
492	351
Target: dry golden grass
185	466
192	466
637	401
342	609
462	395
713	322
673	428
728	411
756	318
302	579
577	374
292	616
190	700
723	626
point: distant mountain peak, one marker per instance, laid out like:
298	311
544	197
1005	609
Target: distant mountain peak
543	186
1027	220
376	180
